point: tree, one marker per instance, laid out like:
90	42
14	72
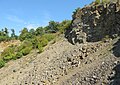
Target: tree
25	30
13	33
53	26
24	34
4	35
6	32
64	25
40	31
32	31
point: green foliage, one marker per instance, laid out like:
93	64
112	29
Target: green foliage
25	47
40	31
34	42
2	63
32	31
64	25
6	32
4	35
24	44
24	34
105	1
4	38
49	37
40	48
102	1
26	50
8	53
8	57
53	26
18	55
43	41
13	36
97	1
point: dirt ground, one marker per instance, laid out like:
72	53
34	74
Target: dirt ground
61	64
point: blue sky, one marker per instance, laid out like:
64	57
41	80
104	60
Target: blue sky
17	14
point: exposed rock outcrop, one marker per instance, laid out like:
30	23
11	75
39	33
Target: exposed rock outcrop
93	23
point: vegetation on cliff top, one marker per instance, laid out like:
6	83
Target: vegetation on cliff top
103	1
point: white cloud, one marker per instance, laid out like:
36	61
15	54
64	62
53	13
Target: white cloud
32	26
14	18
45	18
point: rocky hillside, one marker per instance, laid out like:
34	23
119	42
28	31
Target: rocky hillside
94	59
95	22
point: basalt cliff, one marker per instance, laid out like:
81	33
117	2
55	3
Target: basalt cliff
95	22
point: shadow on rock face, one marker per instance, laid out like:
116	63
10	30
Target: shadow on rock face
71	36
116	49
116	77
115	80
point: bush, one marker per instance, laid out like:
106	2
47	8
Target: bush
8	57
64	25
8	53
19	55
49	37
103	1
4	38
42	40
34	42
25	44
40	48
97	1
26	50
2	63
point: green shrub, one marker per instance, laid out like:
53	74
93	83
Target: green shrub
2	63
102	1
19	55
25	44
26	50
34	42
8	57
4	38
40	48
97	1
49	37
8	53
64	25
42	40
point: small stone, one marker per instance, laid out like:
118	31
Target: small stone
85	79
116	62
103	63
94	77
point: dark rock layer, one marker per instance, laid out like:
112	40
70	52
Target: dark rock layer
93	23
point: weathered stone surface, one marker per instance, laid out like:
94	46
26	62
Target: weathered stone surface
93	23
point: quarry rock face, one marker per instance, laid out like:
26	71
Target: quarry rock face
93	23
